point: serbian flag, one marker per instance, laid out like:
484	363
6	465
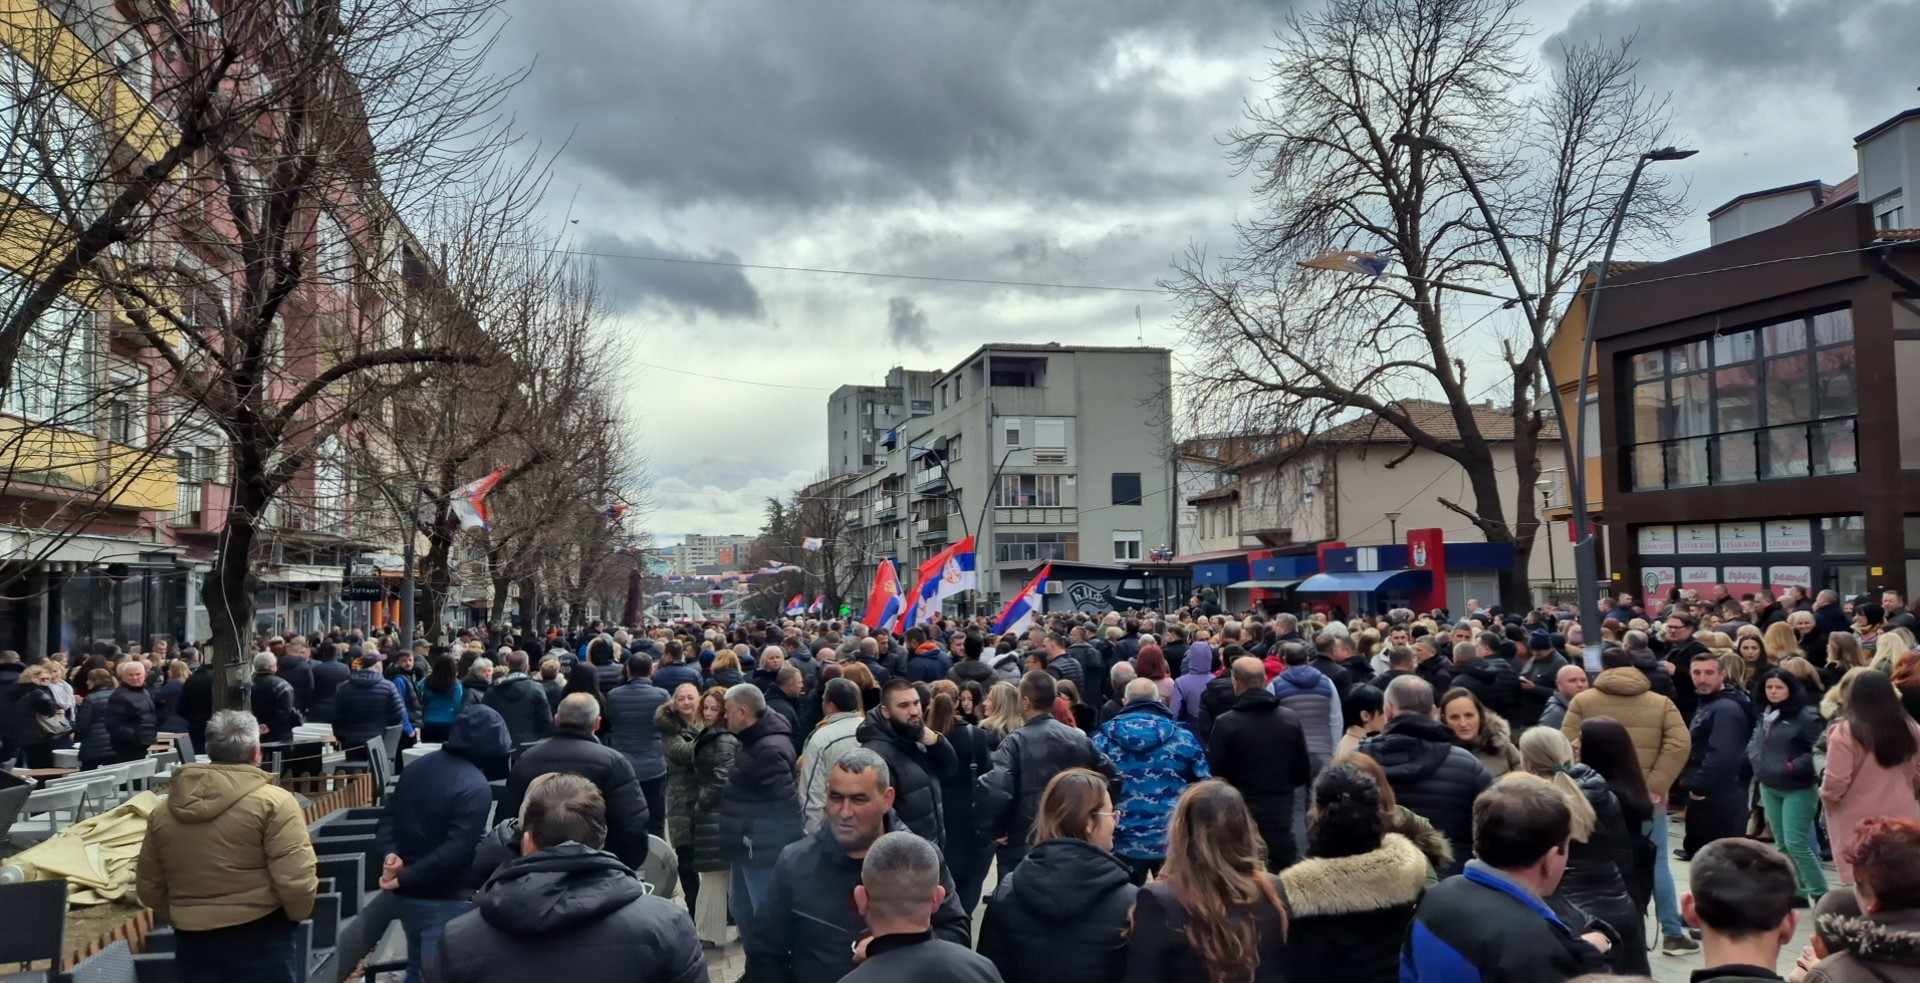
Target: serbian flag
470	501
819	604
812	544
883	601
615	511
945	574
1019	612
798	605
1349	261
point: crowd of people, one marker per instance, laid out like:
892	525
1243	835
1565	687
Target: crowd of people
1150	796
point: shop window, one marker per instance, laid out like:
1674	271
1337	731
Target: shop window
1844	535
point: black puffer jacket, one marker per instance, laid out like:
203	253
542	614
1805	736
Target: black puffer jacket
1259	748
633	709
918	771
24	705
1061	916
1494	681
273	703
90	727
577	752
298	672
522	703
1023	764
1782	751
132	722
328	676
683	782
760	807
1350	914
579	901
1599	870
1431	776
364	708
714	751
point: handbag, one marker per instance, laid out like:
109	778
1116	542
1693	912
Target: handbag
54	726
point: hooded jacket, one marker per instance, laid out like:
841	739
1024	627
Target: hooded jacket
1196	670
1494	681
1061	916
632	708
226	847
760	805
1260	749
364	708
1431	776
576	751
1316	701
1157	759
522	704
835	736
1494	748
812	888
573	909
1877	948
917	771
1349	914
438	812
929	664
1660	736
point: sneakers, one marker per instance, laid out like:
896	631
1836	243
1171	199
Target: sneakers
1678	945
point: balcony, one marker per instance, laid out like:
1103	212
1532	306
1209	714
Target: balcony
1044	516
883	506
930	481
853	517
1793	450
201	507
186	512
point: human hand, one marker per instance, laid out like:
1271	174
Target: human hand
390	870
860	949
1658	800
1598	940
1526	682
1802	965
928	736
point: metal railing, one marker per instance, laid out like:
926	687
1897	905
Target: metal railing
1789	450
186	511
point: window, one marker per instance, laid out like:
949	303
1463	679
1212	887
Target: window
1126	488
126	402
1126	544
332	250
1890	211
51	146
135	64
1016	547
1029	490
53	375
1013	432
1050	433
1774	401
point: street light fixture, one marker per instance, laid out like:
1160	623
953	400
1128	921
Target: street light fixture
1393	527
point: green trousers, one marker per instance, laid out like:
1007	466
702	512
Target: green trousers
1790	815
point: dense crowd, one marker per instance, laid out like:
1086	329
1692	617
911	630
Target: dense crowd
1162	795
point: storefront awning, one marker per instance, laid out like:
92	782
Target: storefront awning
302	574
1265	584
1363	582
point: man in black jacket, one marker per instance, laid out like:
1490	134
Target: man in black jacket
1259	748
812	925
899	892
329	674
1331	652
522	702
1063	664
1716	790
1026	761
759	805
565	887
916	755
572	748
273	701
293	665
1429	773
1681	648
1093	669
132	723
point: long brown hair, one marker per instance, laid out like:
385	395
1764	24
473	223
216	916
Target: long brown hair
1068	805
1217	868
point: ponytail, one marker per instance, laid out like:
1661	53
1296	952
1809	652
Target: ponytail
1547	753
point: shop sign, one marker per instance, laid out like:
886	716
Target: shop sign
1781	578
1789	536
1700	579
1697	539
1742	537
1656	540
1743	580
1656	581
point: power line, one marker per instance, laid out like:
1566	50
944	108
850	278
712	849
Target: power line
870	274
722	378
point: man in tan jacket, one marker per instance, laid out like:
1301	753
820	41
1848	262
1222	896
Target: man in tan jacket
1661	741
228	863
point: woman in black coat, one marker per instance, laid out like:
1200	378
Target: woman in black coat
713	751
1061	915
1353	898
967	850
32	702
1214	886
1601	859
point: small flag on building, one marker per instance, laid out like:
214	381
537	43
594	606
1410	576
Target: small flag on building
812	544
470	501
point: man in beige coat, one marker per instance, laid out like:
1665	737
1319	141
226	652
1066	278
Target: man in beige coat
228	863
1660	738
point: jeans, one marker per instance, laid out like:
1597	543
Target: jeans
262	949
425	921
748	890
1666	904
1790	815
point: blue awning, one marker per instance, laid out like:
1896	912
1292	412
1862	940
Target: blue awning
1364	583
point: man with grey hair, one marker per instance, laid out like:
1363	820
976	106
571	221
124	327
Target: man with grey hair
899	892
227	862
1428	772
273	701
132	720
808	890
573	748
1118	679
1157	759
760	804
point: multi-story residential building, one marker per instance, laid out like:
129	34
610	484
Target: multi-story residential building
1755	416
710	554
860	417
1041	452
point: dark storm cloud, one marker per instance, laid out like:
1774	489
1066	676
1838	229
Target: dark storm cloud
907	325
687	287
1859	48
814	104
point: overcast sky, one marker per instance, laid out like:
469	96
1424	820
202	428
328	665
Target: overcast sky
1042	141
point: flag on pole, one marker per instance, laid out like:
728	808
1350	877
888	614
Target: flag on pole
615	511
819	604
812	544
1349	261
797	606
1019	613
470	501
883	601
945	574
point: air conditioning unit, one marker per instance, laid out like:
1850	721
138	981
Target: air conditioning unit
1054	587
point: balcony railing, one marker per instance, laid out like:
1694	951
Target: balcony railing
931	479
1036	515
186	512
853	517
883	506
1792	450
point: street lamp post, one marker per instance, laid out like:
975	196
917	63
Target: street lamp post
1585	569
1393	527
1546	499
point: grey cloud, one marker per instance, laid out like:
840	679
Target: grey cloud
688	287
808	105
907	325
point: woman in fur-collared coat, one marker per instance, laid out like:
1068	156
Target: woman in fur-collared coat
1353	898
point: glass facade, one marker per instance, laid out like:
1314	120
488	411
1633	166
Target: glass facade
1777	400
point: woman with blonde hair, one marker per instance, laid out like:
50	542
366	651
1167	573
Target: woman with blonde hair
1002	716
1780	642
1214	906
861	676
1888	650
1600	861
1843	653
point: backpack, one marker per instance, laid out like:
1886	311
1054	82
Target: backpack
442	708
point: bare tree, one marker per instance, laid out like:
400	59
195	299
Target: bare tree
1282	349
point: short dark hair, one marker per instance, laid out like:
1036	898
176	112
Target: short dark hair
640	666
842	694
1684	618
1037	690
1705	655
1615	657
1295	653
895	685
1741	887
1519	820
563	807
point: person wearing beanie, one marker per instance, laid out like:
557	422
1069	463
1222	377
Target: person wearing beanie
1538	669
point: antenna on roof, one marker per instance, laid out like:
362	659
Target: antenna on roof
1140	333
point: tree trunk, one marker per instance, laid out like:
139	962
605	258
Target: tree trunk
229	600
530	605
437	567
498	613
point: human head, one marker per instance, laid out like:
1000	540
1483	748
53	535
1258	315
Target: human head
1464	714
562	808
1886	864
1248	674
899	883
1680	626
1120	675
264	664
1075	805
745	706
1570	681
841	696
233	738
859	794
713	706
1037	691
1142	691
900	702
578	712
132	673
1365	707
1217	860
1409	695
686	699
1740	890
1708	677
1521	825
1346	818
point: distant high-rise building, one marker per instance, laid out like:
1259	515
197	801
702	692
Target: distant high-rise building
859	417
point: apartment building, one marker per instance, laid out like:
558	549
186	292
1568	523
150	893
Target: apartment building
1041	452
860	417
710	554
